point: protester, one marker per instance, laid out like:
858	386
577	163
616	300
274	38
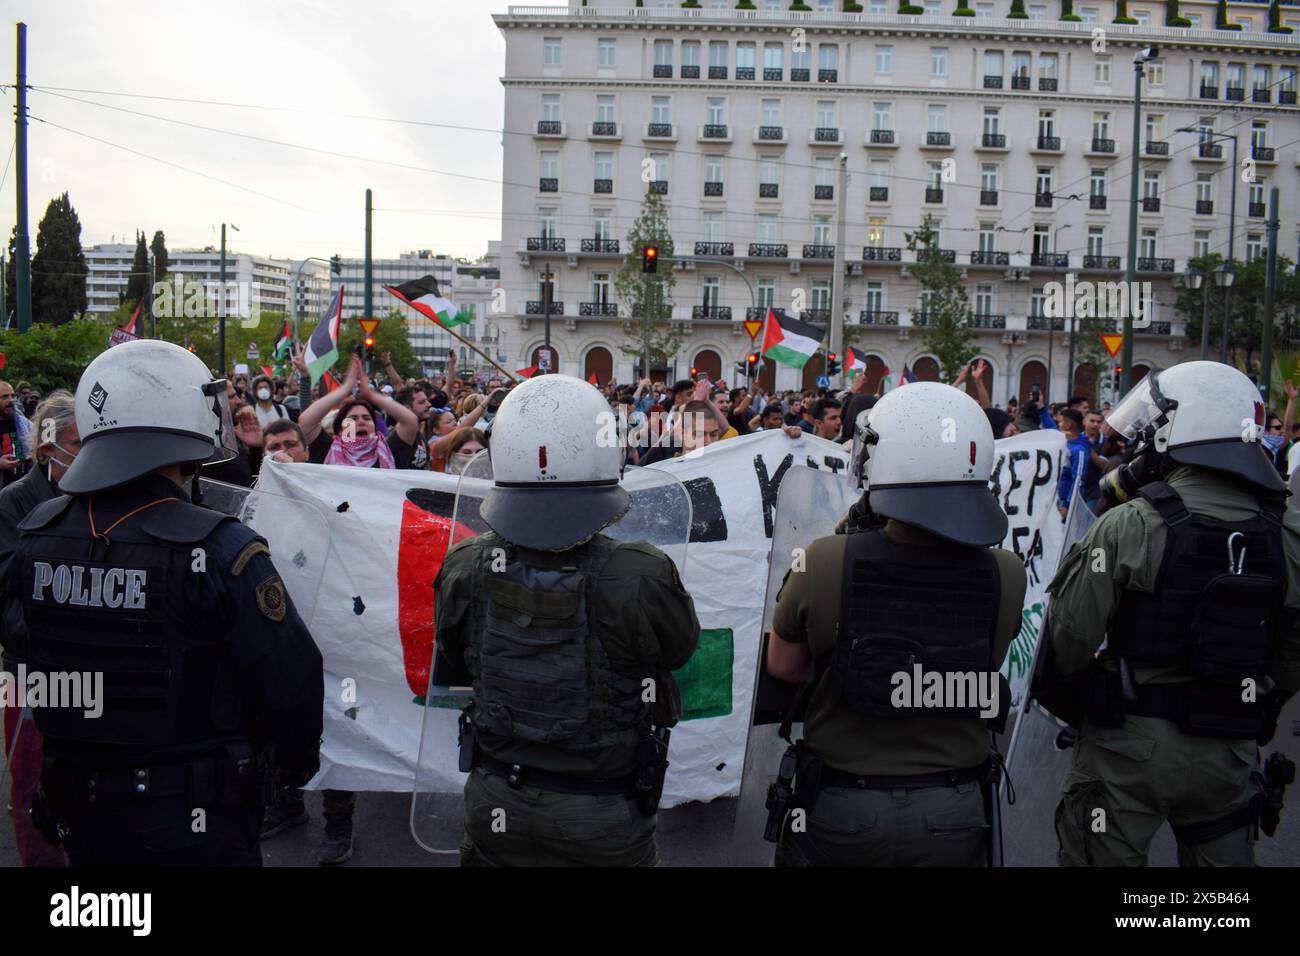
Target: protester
282	441
265	405
15	437
826	419
1075	469
462	445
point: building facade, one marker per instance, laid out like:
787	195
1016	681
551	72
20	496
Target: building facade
1012	136
429	342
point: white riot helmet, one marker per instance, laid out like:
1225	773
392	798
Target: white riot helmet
925	454
144	405
1201	413
556	463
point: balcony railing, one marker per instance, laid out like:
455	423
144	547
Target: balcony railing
717	72
815	315
934	138
946	255
1047	84
659	129
599	245
1043	200
1286	97
755	313
1204	207
604	128
1096	202
1101	262
715	249
1255	210
988	197
1103	145
711	312
800	74
990	258
879	194
537	308
1020	82
1158	328
773	75
690	72
818	252
1147	264
768	250
771	132
663	71
1209	150
983	320
823	192
1156	148
548	184
920	319
992	82
603	186
1150	203
933	194
828	76
544	244
869	317
1237	93
994	140
548	127
1261	95
882	136
1262	153
1056	260
882	254
715	131
713	189
607	310
1209	92
1049	142
827	134
1041	323
768	190
744	72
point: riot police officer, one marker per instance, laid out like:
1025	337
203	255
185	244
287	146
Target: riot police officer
209	677
570	637
1190	578
889	773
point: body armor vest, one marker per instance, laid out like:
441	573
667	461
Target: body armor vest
134	609
905	607
1217	598
540	672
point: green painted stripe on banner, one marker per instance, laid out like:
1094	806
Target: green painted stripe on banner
705	680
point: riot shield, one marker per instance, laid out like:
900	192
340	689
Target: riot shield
809	503
660	514
296	531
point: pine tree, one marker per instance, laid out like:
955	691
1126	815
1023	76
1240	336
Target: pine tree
59	266
161	262
948	333
137	282
647	297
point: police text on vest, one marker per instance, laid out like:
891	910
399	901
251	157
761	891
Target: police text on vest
102	587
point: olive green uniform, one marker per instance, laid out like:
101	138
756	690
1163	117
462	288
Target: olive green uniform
926	826
645	622
1128	780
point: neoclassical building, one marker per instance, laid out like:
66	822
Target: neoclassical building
1014	136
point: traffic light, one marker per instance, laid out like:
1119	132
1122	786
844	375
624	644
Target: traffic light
832	366
751	364
370	348
649	258
694	371
336	264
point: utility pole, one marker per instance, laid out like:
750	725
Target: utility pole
837	274
1270	287
22	242
370	287
547	296
221	305
1232	245
1130	273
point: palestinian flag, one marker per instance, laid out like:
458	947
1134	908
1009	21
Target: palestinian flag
592	380
283	345
908	376
129	332
270	371
323	346
331	382
423	296
527	372
790	341
857	362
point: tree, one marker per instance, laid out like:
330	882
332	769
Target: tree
647	297
391	336
51	356
947	332
59	266
137	283
161	262
11	272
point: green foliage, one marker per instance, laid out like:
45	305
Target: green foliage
742	5
963	12
1121	13
1067	11
1017	11
58	265
137	283
647	298
800	7
851	6
948	334
391	336
1221	18
161	260
1275	19
910	9
51	356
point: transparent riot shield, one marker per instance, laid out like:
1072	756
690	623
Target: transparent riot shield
809	504
296	531
660	514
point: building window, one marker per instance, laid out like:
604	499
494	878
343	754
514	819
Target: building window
800	59
1037	297
767	227
1101	126
713	169
600	287
880	174
828	57
603	223
717	54
660	161
993	63
1155	126
932	8
1089	14
984	300
744	56
1209	75
821	294
605	166
659	110
1101	70
1150	185
826	114
1047	123
664	53
1204	187
605	52
988	237
546	222
1259	134
715	111
1020	65
989	177
882	116
1047	66
550	164
691	53
604	109
551	51
766	292
884	60
992	120
1147	244
1156	72
821	230
1142	17
938	61
769	170
984	11
772	55
1037	11
550	107
711	286
1096	240
934	175
713	227
1043	179
771	112
875	297
1254	245
875	232
824	170
879	6
1201	244
937	118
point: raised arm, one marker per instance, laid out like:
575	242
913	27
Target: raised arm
309	421
404	420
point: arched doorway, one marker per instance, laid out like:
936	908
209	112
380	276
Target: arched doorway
814	367
1031	374
1140	371
1085	382
599	363
536	358
708	361
767	377
926	369
987	378
875	371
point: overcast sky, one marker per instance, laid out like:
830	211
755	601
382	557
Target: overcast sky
432	61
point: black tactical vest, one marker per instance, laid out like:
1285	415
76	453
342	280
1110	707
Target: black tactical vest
904	606
1218	623
540	670
135	609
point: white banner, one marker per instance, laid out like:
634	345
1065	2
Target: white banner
373	617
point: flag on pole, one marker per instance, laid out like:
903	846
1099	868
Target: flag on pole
857	362
323	346
908	376
283	345
132	327
527	372
331	382
128	332
592	380
790	341
423	296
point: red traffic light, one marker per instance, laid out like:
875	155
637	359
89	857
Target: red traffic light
752	358
830	356
370	341
651	252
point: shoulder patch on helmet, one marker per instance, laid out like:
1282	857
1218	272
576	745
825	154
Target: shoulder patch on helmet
250	551
271	599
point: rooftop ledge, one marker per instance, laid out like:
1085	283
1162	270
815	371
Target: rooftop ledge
782	19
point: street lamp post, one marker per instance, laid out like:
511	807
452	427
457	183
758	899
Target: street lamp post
1051	329
1213	137
221	302
1224	275
1195	279
1130	274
